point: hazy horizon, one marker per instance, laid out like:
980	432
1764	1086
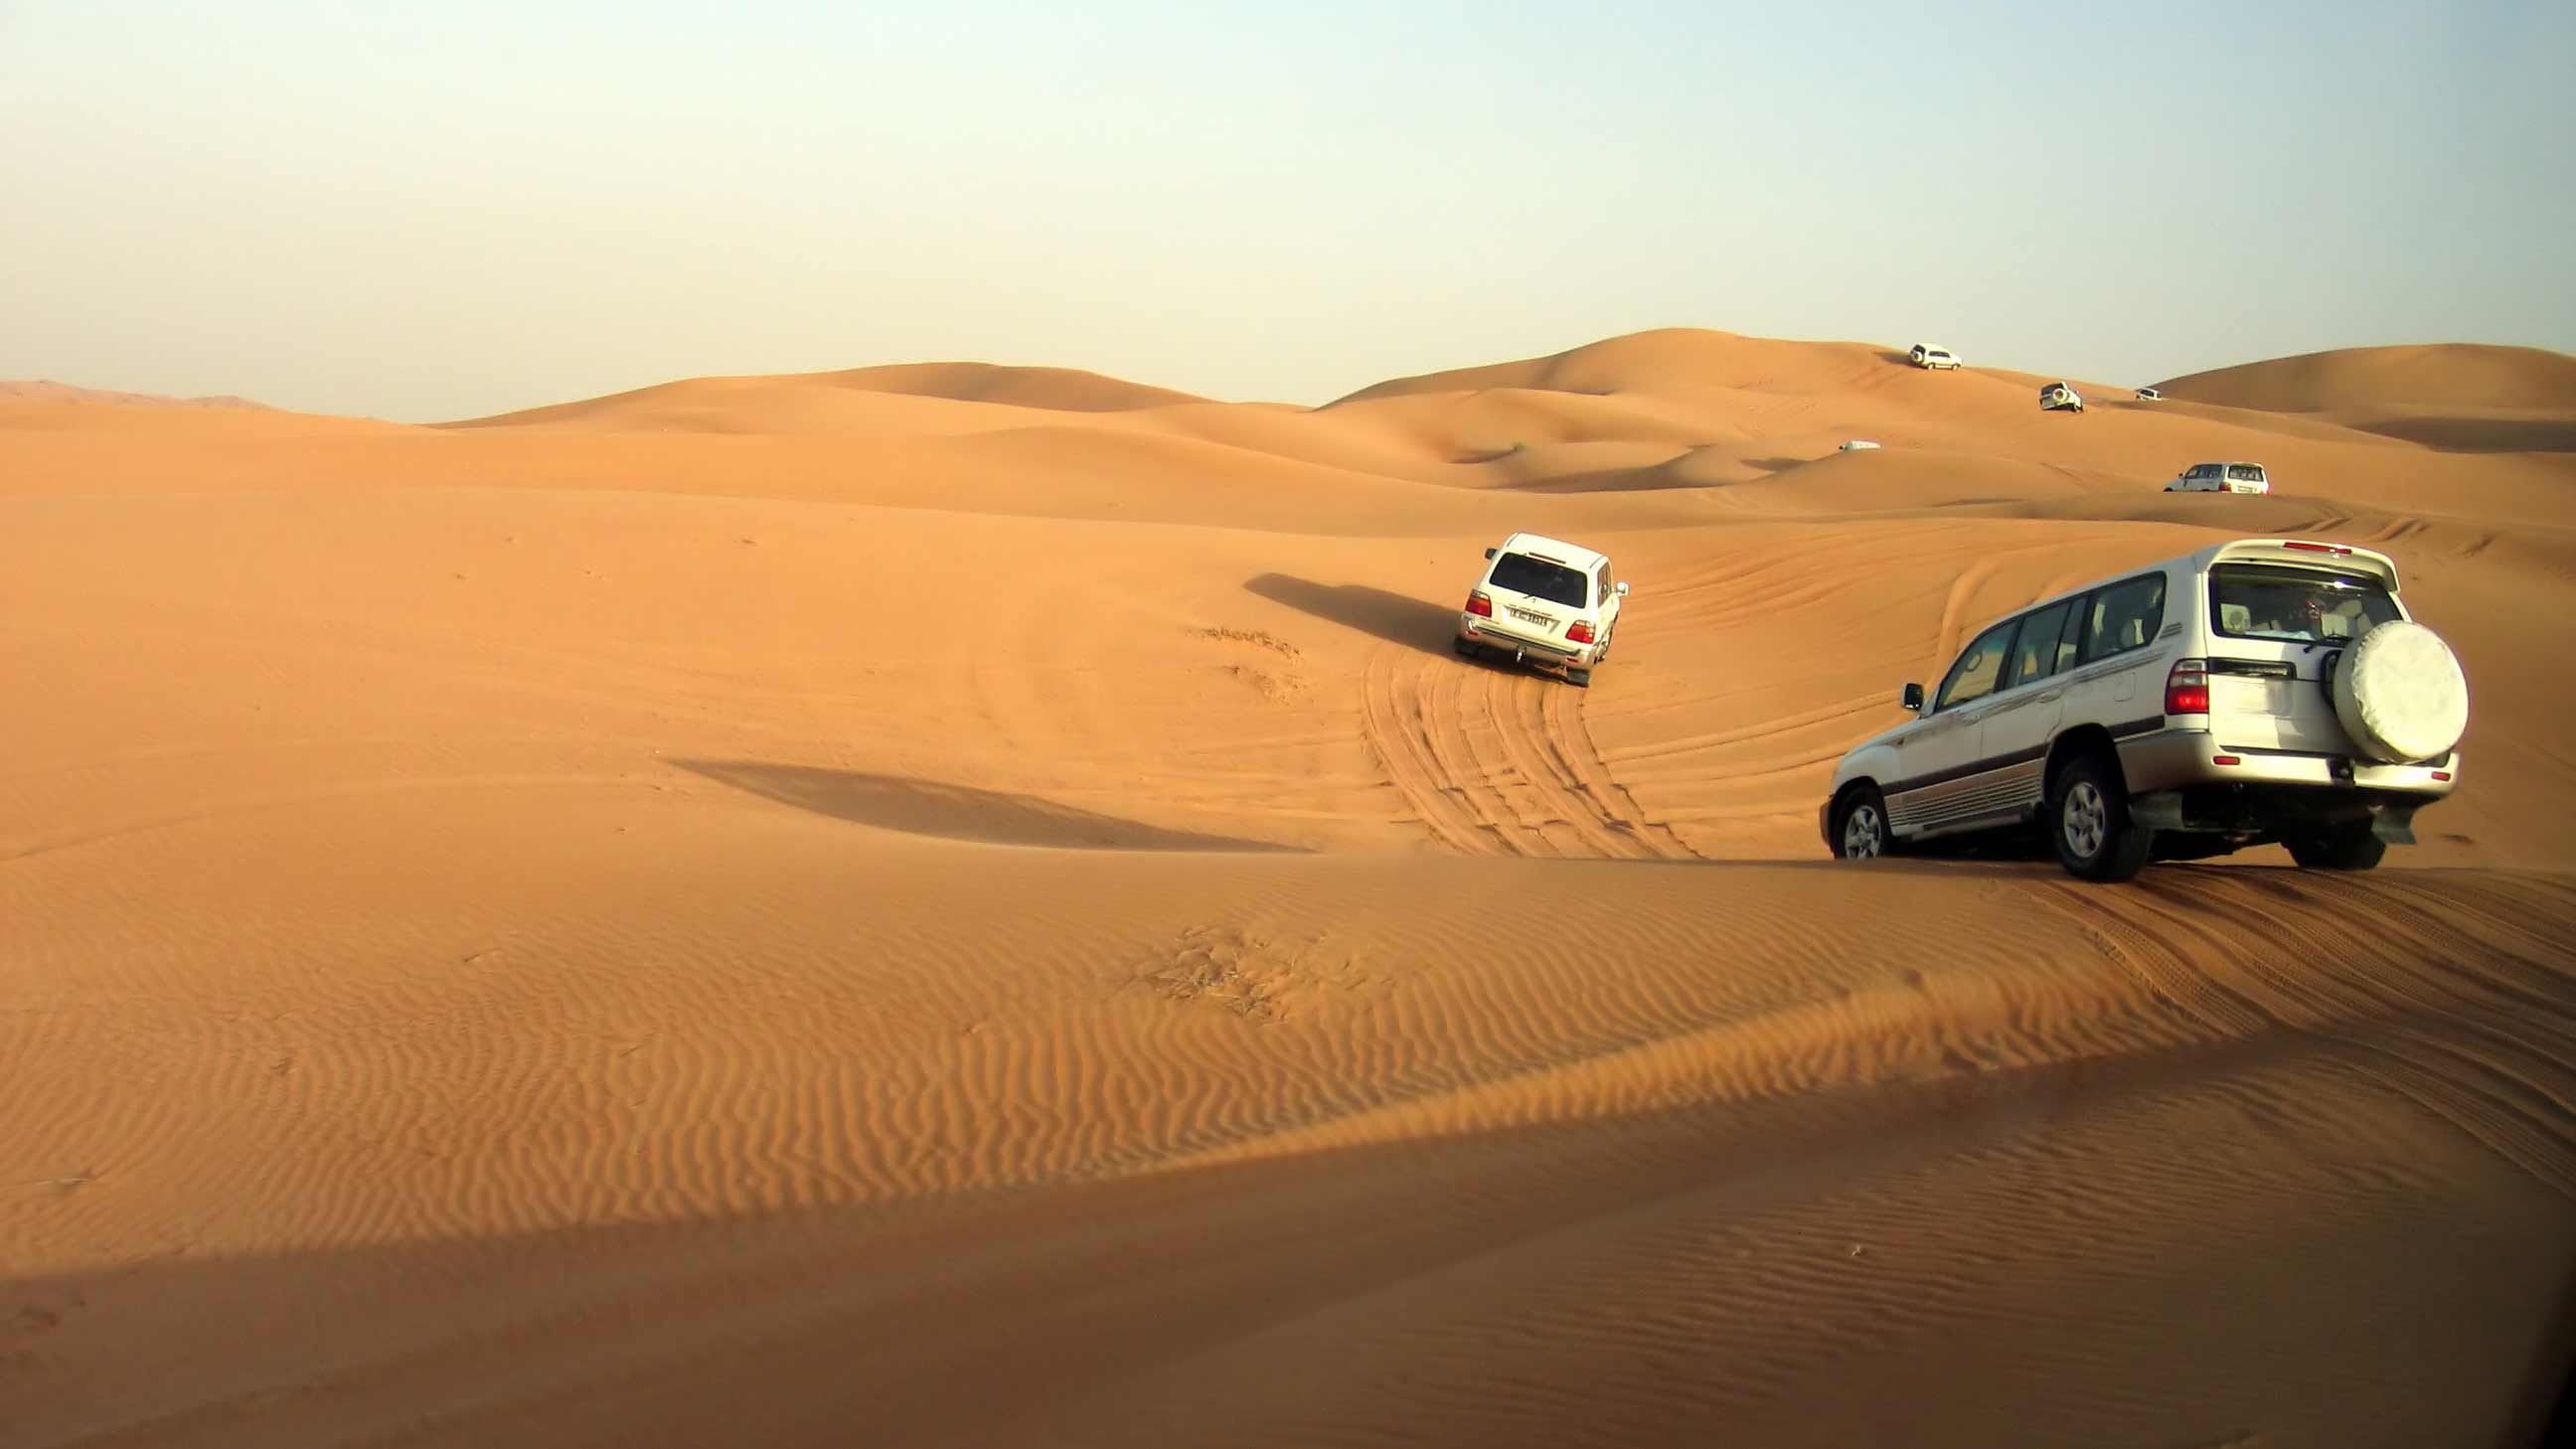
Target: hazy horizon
461	213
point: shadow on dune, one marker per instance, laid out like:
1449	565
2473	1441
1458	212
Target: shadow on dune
1779	465
1615	480
955	812
1395	618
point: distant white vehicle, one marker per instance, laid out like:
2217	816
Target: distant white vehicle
1926	356
2148	394
1858	445
1543	602
2221	478
2058	397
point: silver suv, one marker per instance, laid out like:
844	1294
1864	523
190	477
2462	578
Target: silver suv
2256	691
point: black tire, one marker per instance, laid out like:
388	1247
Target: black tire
1579	678
1864	806
2351	847
1464	648
2089	824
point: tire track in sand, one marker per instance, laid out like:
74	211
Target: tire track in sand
1492	764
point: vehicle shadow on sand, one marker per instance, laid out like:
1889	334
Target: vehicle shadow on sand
1395	618
956	812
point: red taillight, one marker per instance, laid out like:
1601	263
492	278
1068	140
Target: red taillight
2315	547
2187	687
2225	760
1479	605
2443	775
1579	631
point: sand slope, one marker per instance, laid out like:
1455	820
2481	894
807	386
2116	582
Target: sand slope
974	906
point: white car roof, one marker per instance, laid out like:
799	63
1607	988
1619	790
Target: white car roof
2306	552
1573	555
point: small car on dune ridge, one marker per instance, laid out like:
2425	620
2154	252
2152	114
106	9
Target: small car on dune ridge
2221	478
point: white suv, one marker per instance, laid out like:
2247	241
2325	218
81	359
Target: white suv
2221	478
2256	691
2059	397
1932	357
1543	601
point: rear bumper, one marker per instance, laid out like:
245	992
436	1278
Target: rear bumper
1479	630
2176	784
2177	759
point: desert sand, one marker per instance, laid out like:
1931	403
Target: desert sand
956	905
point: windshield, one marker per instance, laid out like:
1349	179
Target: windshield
1539	579
2302	606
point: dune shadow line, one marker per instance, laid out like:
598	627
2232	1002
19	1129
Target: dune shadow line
1395	618
957	812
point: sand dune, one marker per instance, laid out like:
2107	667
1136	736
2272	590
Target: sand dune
974	906
2455	374
59	392
747	404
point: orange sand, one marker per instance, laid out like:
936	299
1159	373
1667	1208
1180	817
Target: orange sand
954	905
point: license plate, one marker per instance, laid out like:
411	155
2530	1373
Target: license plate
1531	617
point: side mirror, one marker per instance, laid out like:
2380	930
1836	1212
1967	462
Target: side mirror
1623	588
1489	553
1914	698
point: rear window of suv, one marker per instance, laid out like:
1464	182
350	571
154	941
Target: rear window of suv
2294	605
1539	579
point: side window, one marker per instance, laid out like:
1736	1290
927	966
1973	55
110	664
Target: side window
2201	470
2035	650
1601	585
2124	616
2072	636
1974	676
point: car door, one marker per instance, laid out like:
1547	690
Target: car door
1938	757
2012	741
2117	676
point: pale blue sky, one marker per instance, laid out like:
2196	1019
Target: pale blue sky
427	211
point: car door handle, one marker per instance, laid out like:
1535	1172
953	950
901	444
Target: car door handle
2053	696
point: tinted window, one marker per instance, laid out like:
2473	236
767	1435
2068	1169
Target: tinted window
2202	470
1974	676
2124	616
2262	601
2041	648
1539	579
2244	472
1602	581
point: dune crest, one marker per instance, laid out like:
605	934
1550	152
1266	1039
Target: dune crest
2439	375
39	390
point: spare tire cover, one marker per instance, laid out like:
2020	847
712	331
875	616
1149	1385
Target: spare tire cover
2400	694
